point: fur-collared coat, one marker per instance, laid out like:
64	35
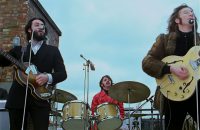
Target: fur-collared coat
165	45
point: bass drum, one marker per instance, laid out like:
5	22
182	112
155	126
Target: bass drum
75	115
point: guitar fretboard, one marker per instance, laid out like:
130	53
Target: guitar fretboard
13	60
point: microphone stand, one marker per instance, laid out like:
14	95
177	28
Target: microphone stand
27	83
196	72
87	64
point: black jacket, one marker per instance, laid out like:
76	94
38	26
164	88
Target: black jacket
47	60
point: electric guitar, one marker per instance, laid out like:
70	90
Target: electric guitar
44	92
171	86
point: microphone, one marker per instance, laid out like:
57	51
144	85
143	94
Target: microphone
91	65
191	21
89	62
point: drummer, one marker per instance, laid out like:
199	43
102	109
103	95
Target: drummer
103	97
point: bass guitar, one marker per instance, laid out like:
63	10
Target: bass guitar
43	92
174	88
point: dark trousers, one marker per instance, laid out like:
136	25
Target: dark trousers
175	112
39	116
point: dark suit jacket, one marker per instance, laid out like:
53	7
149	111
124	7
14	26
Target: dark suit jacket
47	60
3	94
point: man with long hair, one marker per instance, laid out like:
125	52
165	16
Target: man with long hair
48	71
178	41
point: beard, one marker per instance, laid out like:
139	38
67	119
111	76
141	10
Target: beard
39	37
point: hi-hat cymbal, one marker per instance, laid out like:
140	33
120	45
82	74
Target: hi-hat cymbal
62	96
137	91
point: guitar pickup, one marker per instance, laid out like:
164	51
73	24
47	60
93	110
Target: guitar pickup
193	65
45	95
170	77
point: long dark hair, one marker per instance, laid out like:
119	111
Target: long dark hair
29	24
172	25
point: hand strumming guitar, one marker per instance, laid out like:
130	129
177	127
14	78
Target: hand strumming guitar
181	72
42	79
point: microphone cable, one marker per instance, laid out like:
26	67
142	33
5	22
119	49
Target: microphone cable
27	81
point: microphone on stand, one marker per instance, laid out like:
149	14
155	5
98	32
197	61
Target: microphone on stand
89	62
91	65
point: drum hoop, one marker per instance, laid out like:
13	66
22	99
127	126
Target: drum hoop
75	117
75	101
106	103
111	118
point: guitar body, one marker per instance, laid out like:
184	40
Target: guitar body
171	86
41	92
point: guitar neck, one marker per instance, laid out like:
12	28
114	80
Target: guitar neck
13	60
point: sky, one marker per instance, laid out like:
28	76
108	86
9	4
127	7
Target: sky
114	34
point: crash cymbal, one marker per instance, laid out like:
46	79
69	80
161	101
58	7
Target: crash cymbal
62	96
137	91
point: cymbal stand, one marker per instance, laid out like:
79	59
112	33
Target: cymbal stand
86	84
129	109
55	105
147	100
152	120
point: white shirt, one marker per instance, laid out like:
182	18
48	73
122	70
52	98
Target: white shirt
35	47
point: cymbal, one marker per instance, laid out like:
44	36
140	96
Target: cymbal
62	96
137	91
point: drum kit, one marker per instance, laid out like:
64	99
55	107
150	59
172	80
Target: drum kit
76	114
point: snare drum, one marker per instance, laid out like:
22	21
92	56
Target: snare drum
75	115
108	117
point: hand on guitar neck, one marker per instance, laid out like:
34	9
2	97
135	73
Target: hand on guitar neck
181	72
